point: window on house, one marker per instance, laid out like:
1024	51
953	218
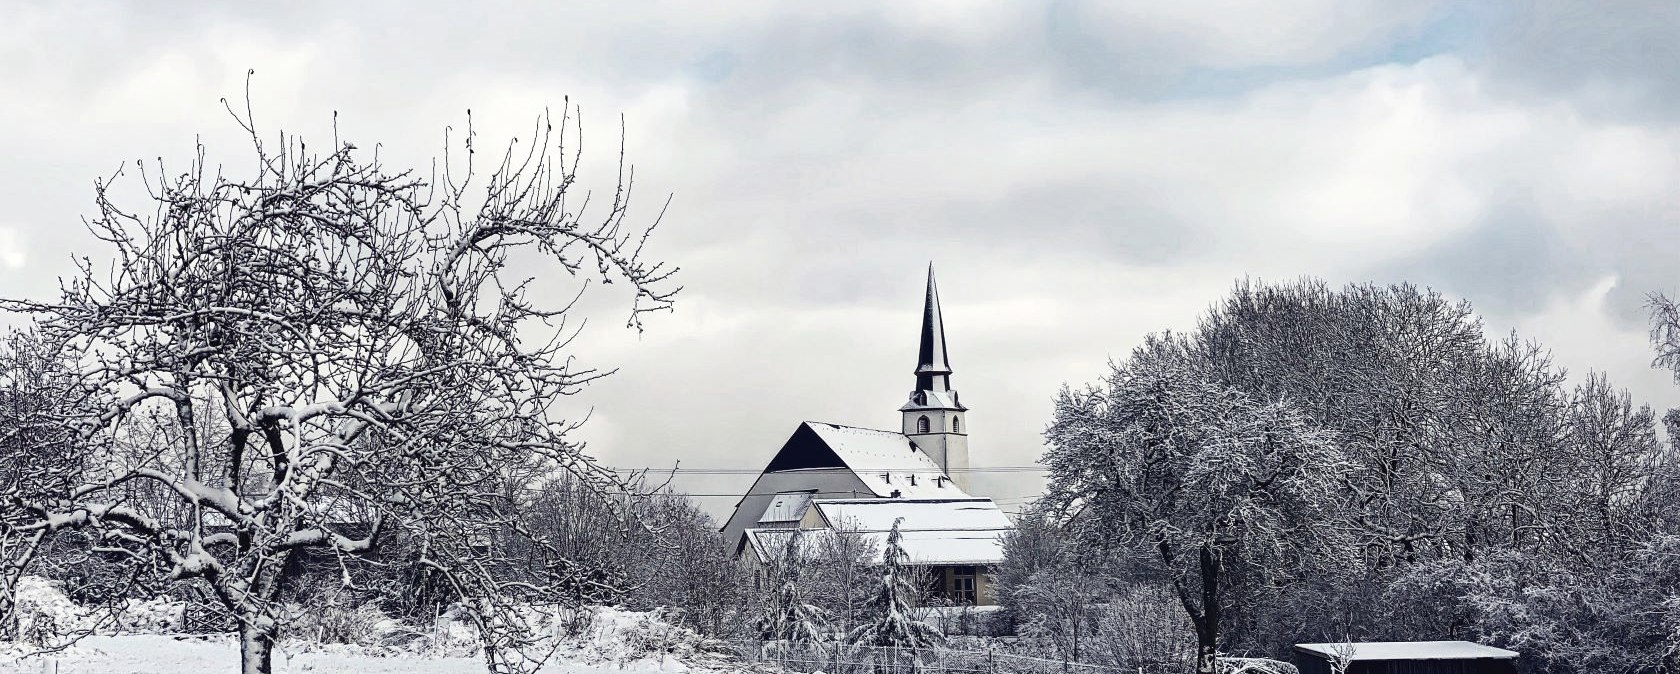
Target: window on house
956	424
922	424
963	590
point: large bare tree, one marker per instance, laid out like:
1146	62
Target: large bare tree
330	352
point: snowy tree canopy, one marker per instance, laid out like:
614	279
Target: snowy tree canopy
1163	460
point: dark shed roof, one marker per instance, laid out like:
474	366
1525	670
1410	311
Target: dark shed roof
1408	657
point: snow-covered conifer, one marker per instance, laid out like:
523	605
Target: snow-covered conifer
892	624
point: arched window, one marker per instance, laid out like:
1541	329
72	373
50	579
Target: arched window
956	424
922	424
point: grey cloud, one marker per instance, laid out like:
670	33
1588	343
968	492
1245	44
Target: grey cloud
1510	262
1616	59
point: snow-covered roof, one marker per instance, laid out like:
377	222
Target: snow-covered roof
887	462
768	544
978	548
962	514
786	507
932	531
1411	650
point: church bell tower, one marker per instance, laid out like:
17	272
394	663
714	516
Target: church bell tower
933	418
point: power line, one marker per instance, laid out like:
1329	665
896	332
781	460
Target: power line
854	494
756	471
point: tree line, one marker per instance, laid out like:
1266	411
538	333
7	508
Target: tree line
1318	464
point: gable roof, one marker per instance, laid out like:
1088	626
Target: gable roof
977	548
885	461
964	514
931	531
1411	650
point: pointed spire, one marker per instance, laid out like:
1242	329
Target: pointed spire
932	369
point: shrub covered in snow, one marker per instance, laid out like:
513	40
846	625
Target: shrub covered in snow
47	615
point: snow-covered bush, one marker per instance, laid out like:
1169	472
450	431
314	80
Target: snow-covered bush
339	617
621	635
1255	666
45	613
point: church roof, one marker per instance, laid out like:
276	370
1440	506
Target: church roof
886	462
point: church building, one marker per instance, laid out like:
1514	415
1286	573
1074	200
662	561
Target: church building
828	476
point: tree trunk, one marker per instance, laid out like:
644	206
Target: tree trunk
256	649
8	606
1207	656
1207	629
257	627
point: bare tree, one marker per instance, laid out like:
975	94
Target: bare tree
39	458
1142	627
788	618
1059	603
845	562
1034	544
1665	332
1617	453
329	352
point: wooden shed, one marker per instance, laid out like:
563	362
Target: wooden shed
1406	657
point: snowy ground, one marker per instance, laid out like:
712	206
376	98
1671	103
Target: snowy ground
604	640
163	654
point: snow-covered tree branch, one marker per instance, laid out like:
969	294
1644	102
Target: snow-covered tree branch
330	353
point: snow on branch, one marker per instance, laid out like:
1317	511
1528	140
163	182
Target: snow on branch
325	356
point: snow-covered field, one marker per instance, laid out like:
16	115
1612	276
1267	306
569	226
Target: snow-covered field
608	640
163	654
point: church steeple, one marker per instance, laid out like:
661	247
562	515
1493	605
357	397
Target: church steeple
934	419
933	370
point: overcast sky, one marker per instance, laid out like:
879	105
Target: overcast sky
1081	174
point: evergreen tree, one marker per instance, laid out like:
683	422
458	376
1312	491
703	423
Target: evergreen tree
893	625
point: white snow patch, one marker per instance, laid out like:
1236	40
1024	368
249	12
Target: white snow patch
593	640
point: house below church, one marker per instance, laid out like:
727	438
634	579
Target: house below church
828	477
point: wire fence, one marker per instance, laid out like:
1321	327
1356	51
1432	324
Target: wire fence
835	658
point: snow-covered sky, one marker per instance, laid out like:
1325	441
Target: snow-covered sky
1081	173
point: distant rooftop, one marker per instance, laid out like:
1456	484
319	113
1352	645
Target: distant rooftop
1412	650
